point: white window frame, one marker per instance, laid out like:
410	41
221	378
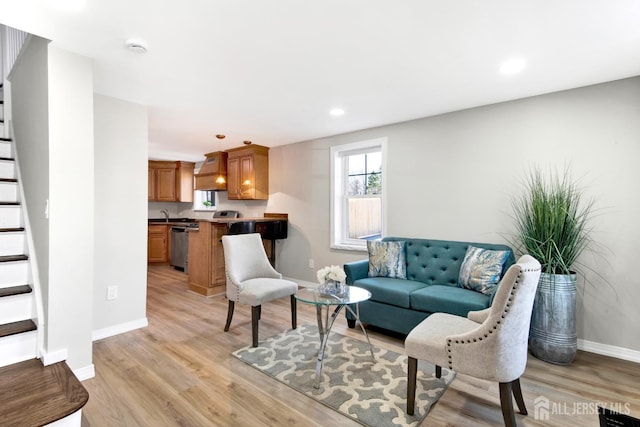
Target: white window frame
338	205
197	202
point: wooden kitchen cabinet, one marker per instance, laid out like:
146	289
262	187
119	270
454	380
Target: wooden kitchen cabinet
206	270
206	259
170	181
158	243
248	173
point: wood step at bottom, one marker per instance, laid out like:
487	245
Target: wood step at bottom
12	258
15	290
11	229
18	327
32	394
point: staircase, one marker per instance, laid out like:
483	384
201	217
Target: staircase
18	335
30	393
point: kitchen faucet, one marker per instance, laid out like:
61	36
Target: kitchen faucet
166	214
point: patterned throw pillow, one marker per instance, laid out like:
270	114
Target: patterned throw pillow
481	268
387	259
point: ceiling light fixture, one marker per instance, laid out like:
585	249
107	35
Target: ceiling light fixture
220	136
136	45
336	112
512	66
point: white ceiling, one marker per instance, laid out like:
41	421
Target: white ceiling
269	71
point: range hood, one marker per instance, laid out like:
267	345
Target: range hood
213	172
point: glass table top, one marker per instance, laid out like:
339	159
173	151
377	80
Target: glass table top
313	296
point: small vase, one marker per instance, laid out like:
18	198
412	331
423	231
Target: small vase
333	287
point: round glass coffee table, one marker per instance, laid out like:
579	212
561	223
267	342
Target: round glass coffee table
353	296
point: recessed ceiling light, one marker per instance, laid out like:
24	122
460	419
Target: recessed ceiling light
136	45
336	112
512	66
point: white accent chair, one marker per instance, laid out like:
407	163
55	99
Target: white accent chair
490	344
251	280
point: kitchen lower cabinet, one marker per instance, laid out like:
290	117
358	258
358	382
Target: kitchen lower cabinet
206	270
206	259
157	243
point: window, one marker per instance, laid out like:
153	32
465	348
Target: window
357	193
204	200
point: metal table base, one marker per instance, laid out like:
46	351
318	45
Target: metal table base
325	329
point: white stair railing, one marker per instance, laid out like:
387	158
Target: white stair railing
12	40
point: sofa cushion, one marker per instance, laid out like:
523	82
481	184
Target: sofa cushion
448	299
387	259
390	290
481	269
437	262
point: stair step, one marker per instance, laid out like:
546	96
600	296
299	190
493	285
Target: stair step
8	159
32	394
11	230
5	139
9	203
8	180
12	258
5	147
15	290
15	328
15	273
10	216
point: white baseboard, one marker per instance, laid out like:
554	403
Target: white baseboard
85	373
302	283
609	350
119	329
73	420
53	357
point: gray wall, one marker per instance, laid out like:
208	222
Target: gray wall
121	150
453	176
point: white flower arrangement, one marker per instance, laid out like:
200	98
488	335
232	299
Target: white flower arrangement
334	272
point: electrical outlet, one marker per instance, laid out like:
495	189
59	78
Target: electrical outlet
311	263
112	292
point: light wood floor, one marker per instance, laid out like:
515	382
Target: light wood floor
178	372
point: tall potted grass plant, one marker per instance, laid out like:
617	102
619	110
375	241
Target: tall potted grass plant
553	224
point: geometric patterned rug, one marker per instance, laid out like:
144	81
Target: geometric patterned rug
371	393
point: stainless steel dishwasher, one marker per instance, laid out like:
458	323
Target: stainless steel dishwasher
179	248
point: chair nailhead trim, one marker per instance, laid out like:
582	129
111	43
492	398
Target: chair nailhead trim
495	327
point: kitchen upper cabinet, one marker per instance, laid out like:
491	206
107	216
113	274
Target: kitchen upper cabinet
171	181
248	173
157	243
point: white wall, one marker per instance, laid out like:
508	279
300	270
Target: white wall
71	206
453	177
121	151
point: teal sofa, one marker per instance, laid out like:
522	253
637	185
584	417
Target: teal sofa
431	286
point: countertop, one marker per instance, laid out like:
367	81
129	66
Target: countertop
172	221
242	219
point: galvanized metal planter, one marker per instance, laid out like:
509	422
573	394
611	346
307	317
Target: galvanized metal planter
552	336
